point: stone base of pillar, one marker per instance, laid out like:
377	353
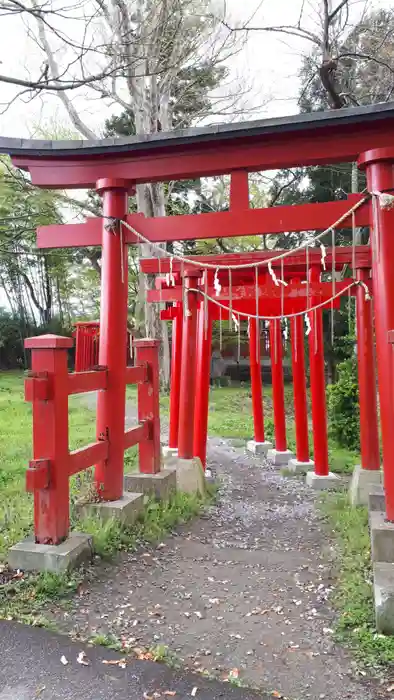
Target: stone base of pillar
382	537
190	476
298	467
322	483
383	588
278	458
160	485
376	499
125	510
29	556
258	448
362	482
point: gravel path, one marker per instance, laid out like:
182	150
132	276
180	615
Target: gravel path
244	587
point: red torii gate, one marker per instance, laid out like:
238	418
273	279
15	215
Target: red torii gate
115	166
271	301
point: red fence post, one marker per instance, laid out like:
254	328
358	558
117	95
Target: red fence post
255	379
113	339
176	364
299	390
188	370
50	436
280	455
203	367
379	168
147	352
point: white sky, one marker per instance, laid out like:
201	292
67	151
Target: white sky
269	62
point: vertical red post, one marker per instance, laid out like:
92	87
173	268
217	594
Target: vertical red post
256	381
379	168
318	386
369	435
278	392
176	364
113	338
203	367
50	435
299	388
147	353
188	370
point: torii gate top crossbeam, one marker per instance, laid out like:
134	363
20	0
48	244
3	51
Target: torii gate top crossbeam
306	139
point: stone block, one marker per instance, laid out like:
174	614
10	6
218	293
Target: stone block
376	499
159	485
29	556
278	458
363	480
298	467
383	588
190	476
382	537
126	509
258	448
322	483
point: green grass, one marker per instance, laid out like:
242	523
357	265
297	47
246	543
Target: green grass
353	594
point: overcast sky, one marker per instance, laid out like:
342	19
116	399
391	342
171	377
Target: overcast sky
270	63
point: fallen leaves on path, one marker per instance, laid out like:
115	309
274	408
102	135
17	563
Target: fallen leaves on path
63	660
115	662
82	659
194	692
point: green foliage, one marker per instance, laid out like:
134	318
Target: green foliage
353	595
343	406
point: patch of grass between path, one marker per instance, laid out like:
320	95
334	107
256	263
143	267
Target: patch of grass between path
354	596
25	599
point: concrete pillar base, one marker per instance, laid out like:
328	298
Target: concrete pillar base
258	448
125	510
159	485
382	537
300	467
376	499
279	458
322	483
361	483
168	453
29	556
383	588
189	475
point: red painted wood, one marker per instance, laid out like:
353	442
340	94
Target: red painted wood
138	436
256	380
369	435
380	177
299	388
239	191
50	438
38	475
318	386
278	393
237	222
203	370
81	382
332	144
87	456
136	375
188	374
147	353
176	364
112	348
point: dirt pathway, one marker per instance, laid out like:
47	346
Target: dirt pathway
246	586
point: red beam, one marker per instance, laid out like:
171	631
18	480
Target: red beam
331	144
81	382
136	375
135	435
247	222
87	456
343	256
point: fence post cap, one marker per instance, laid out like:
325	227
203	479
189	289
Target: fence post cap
146	342
49	341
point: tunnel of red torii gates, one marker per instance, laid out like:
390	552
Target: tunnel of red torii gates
115	167
260	294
